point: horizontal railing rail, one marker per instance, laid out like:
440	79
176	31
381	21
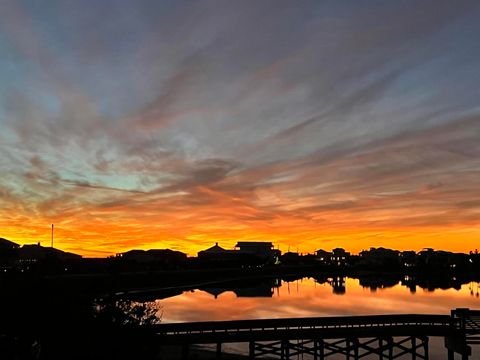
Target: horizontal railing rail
438	322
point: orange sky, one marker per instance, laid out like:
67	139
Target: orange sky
97	237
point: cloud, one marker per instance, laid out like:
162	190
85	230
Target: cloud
178	125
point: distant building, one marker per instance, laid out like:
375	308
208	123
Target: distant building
245	253
263	250
323	257
168	256
8	253
139	256
442	260
380	253
35	253
213	252
6	245
340	257
380	258
408	258
155	258
336	257
291	258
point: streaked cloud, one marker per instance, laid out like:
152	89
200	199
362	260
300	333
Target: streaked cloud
179	124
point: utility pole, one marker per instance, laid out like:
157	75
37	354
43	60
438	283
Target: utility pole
52	235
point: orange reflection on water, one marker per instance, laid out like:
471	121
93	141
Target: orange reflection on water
306	297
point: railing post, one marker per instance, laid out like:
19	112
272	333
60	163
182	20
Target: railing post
285	350
414	348
251	350
451	355
355	348
380	348
219	350
390	348
185	351
425	347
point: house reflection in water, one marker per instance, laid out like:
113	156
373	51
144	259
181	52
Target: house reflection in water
251	288
338	283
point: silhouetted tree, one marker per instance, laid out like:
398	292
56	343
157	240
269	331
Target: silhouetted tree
121	312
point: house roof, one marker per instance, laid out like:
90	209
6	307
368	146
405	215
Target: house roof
7	244
154	254
253	243
215	249
38	251
166	252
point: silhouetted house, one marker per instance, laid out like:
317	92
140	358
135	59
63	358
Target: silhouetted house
260	249
244	254
153	259
380	258
323	257
408	259
36	253
458	261
309	259
137	256
429	258
6	245
212	253
291	258
474	260
432	260
218	256
168	257
8	252
340	257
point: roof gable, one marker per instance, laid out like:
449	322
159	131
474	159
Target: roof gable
7	244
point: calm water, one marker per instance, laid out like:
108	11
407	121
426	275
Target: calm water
308	297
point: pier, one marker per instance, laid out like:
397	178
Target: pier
355	337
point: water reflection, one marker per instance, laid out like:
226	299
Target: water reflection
245	288
473	286
296	296
319	296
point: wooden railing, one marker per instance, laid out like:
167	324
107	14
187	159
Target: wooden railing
345	335
293	328
466	322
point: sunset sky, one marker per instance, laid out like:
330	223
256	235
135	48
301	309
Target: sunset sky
178	124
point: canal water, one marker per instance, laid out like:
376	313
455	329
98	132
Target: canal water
306	297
